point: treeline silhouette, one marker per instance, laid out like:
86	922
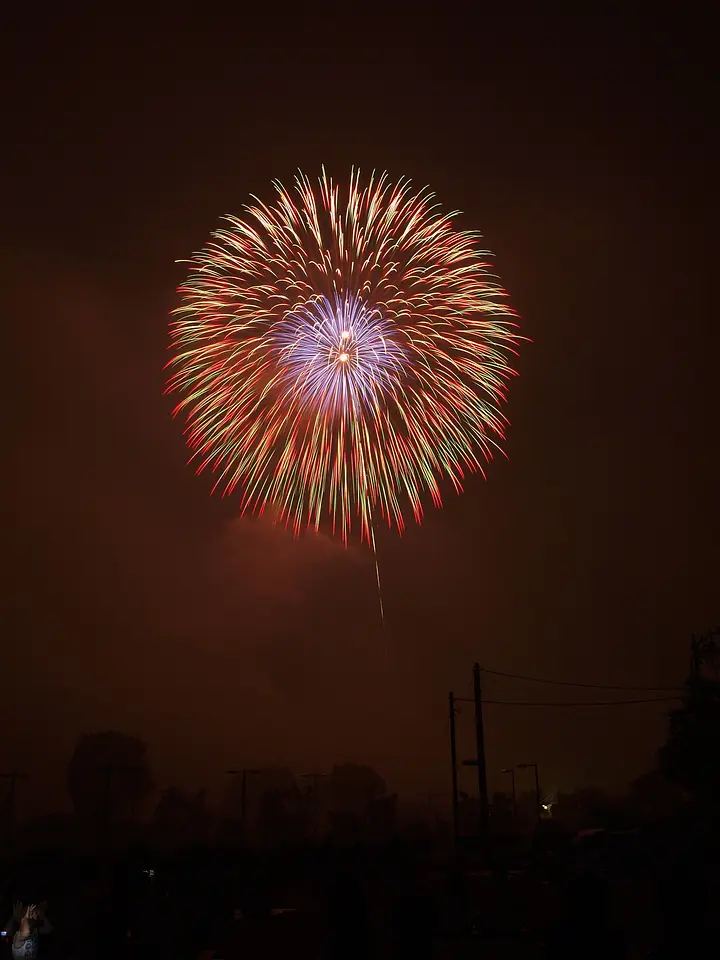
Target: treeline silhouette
336	865
115	802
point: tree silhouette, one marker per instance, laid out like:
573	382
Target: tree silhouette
108	777
355	790
690	755
586	808
654	797
354	787
382	817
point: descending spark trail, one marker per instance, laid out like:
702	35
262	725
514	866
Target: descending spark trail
377	573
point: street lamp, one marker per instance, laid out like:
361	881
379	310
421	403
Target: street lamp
534	766
511	771
243	774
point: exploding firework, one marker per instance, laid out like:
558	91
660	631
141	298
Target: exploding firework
340	354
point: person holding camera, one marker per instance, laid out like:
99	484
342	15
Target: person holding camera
25	927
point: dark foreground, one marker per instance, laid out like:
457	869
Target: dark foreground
630	894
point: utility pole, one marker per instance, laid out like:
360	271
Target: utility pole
453	764
12	779
480	749
243	774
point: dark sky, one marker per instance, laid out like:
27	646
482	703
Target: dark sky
581	149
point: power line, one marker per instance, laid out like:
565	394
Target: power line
580	703
571	683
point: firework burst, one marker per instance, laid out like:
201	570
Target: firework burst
341	353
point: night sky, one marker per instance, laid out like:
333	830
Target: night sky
136	601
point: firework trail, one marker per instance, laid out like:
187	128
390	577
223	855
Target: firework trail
340	353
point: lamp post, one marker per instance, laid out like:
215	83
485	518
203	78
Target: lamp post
534	766
243	774
511	771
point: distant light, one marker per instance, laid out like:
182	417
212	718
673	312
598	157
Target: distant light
344	357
